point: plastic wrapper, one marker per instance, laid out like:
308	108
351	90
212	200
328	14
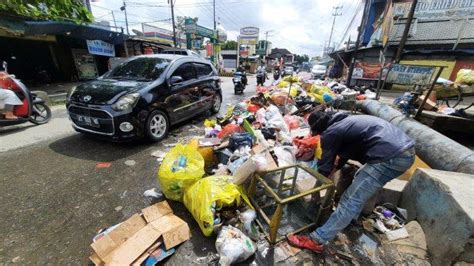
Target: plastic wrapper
292	121
229	130
307	147
209	123
240	139
233	246
293	79
182	166
209	194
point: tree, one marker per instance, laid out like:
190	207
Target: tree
58	10
229	45
301	58
316	58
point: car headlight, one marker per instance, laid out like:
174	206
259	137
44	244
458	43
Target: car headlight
70	92
126	102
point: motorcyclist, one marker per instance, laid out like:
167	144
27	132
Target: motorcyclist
241	69
261	75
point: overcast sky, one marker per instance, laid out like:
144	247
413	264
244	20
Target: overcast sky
302	28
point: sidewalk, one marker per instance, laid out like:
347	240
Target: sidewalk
55	88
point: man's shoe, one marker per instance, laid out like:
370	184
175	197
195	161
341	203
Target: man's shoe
305	242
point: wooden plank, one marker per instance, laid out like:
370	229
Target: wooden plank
156	211
112	240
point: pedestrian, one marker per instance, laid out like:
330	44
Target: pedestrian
8	100
385	150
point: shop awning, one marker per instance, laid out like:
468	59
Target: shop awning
85	32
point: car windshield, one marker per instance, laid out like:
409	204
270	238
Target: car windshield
141	69
289	69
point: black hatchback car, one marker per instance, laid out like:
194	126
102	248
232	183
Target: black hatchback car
144	96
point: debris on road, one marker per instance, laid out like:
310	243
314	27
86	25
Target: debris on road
103	165
233	246
118	208
149	236
130	162
152	193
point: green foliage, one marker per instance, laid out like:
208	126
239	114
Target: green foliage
229	45
58	10
301	58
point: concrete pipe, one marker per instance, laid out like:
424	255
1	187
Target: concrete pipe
437	150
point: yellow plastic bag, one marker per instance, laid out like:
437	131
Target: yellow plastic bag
209	123
291	79
212	192
283	84
182	166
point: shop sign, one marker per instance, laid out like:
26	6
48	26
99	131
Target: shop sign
363	70
410	75
436	9
99	47
249	31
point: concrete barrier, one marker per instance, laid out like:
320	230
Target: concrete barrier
443	203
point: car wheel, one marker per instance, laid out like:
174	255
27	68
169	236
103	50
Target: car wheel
216	104
157	126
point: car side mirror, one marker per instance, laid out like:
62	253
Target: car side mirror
175	80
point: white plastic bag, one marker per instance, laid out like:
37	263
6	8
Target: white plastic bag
247	217
233	246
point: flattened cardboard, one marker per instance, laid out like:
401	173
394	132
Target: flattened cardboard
147	253
112	240
177	235
96	260
131	249
156	211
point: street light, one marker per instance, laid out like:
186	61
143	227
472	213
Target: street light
124	9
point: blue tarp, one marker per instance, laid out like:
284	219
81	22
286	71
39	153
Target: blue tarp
85	32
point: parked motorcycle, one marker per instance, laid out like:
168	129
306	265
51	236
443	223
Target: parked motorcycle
239	82
33	109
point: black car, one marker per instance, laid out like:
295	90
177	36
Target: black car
144	96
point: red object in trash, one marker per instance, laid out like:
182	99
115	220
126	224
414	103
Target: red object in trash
229	130
361	97
253	108
306	147
262	89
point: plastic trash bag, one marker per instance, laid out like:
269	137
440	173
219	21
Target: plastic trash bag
209	194
182	166
209	123
240	139
229	130
465	76
247	217
233	246
307	147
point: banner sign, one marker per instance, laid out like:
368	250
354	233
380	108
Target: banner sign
250	31
410	75
99	47
363	70
436	9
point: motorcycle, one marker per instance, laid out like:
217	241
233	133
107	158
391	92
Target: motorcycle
239	82
276	74
33	109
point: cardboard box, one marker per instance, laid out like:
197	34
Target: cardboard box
132	240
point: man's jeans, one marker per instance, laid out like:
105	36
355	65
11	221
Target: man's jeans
367	181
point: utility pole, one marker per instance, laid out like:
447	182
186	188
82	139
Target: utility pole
172	19
124	9
406	31
214	9
334	14
354	55
266	40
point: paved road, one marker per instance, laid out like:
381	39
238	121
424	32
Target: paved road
53	199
